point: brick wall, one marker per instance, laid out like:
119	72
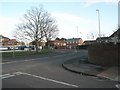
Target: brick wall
104	54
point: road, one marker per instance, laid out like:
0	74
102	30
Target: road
47	72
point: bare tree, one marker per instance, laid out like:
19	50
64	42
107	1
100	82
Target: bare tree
103	35
36	25
91	35
50	30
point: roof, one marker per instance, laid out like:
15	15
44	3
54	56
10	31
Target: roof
73	39
1	36
103	38
89	41
13	40
116	33
56	41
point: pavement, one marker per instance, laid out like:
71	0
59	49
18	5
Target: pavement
82	66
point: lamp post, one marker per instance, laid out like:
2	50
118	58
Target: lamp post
99	21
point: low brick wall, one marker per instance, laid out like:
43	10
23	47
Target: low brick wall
104	54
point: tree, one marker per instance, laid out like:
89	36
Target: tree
57	38
62	39
37	25
50	29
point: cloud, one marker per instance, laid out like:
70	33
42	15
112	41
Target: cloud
91	2
69	17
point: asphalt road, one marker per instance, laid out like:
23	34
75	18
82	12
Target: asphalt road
47	72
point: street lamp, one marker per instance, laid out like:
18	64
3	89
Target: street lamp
99	21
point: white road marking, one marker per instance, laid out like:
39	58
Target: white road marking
17	73
43	78
26	60
9	62
22	60
118	86
8	76
50	80
19	61
4	75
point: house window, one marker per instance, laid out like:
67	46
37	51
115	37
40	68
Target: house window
64	44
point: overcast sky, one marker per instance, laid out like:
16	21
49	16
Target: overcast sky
76	18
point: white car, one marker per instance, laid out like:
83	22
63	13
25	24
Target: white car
4	48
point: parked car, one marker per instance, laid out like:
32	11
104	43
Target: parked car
21	47
14	48
4	48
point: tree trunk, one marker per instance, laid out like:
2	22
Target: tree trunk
36	46
46	44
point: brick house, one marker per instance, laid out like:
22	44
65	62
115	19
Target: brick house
39	43
14	42
8	42
103	40
73	43
57	44
4	40
114	38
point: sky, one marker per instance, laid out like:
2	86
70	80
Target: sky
75	18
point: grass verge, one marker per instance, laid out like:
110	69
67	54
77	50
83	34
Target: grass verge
24	53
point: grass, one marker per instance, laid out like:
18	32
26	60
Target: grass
24	53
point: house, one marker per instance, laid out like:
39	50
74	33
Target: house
15	42
4	40
89	42
39	43
73	43
57	44
8	42
103	40
115	37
